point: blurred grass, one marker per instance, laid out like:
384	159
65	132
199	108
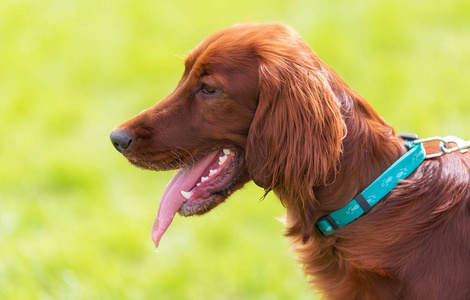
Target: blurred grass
75	217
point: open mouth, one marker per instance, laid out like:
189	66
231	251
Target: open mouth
198	188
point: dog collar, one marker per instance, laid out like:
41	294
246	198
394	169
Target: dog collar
386	182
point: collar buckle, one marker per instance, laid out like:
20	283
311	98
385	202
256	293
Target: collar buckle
326	225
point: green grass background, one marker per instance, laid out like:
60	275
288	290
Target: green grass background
75	217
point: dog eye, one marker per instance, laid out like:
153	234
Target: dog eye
209	90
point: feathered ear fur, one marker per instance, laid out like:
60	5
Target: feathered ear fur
294	142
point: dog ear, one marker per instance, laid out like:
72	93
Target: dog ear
295	139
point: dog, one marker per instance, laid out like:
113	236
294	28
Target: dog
255	103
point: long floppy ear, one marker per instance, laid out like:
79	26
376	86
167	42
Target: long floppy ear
295	140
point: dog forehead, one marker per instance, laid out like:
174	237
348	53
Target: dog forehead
226	55
222	49
240	46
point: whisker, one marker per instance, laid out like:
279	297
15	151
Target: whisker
180	56
189	154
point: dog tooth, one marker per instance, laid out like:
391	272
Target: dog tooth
204	178
226	151
186	195
212	172
222	159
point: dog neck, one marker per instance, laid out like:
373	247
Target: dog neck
369	147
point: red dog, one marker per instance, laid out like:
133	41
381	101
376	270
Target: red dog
255	103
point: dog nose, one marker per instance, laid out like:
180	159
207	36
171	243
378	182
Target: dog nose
120	140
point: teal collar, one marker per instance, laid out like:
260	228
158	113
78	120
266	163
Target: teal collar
386	182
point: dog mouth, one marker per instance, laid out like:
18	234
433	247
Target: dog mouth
198	188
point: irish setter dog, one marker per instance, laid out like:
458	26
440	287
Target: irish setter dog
255	103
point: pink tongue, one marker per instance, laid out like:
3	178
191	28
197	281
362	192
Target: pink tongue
184	180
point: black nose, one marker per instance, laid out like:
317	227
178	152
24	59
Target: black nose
120	140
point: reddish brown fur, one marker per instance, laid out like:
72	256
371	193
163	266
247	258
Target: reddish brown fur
316	143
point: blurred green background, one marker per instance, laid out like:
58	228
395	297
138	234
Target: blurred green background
75	217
